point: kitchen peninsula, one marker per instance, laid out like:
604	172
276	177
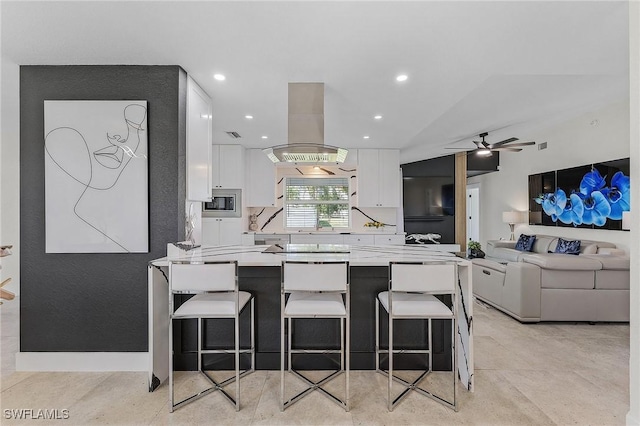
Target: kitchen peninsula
259	273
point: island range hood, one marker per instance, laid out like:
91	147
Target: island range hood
306	129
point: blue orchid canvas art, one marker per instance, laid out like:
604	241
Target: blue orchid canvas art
591	196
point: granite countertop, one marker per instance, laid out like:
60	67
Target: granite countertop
357	256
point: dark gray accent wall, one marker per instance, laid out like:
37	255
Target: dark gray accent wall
96	302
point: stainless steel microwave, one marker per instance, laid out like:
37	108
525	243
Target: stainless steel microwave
224	203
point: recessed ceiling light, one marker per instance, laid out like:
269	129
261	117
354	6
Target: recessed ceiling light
377	117
402	77
249	117
265	137
219	77
365	137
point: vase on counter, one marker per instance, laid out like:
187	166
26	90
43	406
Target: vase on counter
253	222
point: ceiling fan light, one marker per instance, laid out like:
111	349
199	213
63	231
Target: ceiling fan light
484	152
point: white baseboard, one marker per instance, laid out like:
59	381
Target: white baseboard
82	361
632	421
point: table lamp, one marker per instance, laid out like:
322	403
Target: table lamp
512	218
626	220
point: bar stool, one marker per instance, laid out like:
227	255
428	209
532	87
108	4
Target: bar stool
411	295
215	285
314	290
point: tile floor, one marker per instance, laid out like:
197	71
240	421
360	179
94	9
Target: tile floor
536	374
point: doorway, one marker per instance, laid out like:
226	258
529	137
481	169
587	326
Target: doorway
473	212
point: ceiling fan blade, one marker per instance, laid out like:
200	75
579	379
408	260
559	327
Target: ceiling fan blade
478	143
507	149
504	142
520	144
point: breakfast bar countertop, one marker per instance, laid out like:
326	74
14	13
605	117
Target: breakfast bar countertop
358	255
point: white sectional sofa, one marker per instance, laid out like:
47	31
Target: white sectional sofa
541	286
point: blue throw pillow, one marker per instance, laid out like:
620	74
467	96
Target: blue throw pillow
568	246
525	242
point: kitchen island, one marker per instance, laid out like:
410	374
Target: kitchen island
259	273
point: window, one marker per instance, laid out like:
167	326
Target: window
316	202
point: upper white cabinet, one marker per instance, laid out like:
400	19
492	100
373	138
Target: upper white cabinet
227	166
260	173
378	178
198	143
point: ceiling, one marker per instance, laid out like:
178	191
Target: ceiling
508	68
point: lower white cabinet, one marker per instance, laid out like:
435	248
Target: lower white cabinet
359	240
221	231
383	240
350	239
316	239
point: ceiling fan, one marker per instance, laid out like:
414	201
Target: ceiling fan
485	148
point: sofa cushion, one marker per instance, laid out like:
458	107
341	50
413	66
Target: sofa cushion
543	243
588	247
563	262
567	246
525	242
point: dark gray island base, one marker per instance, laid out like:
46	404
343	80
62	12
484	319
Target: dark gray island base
264	283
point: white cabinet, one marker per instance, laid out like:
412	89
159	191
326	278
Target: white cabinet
378	178
316	239
227	166
221	231
260	173
359	240
198	150
387	239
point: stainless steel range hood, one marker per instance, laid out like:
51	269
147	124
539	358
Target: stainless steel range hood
306	129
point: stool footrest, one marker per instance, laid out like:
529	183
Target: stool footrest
405	351
315	351
224	351
316	386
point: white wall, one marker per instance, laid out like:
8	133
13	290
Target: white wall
10	171
574	143
633	417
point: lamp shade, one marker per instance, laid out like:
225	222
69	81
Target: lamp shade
513	217
626	221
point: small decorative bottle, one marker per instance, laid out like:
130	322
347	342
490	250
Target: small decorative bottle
253	222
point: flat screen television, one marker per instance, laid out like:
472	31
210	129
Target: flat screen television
428	196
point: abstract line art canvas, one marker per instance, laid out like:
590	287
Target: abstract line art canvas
96	179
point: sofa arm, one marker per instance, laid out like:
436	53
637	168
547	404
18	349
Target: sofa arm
501	243
611	250
494	244
521	293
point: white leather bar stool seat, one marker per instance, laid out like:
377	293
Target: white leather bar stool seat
315	305
415	304
212	304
